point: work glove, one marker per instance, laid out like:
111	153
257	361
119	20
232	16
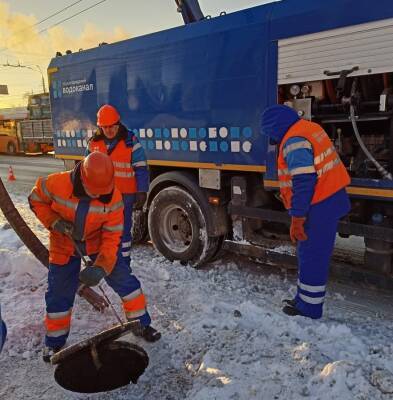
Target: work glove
64	227
92	275
297	229
140	200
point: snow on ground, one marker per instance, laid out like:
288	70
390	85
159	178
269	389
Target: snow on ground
224	336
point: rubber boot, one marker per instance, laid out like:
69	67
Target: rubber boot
291	311
148	333
48	352
290	302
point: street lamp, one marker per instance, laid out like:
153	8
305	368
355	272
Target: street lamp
40	71
29	67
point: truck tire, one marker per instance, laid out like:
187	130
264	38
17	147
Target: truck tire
177	228
11	148
140	232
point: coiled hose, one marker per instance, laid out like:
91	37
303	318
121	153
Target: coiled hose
385	174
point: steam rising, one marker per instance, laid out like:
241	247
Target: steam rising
20	41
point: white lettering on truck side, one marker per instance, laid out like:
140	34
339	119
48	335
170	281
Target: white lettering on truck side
78	88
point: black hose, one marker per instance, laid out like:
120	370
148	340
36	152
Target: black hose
385	174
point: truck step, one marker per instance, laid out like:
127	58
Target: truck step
284	256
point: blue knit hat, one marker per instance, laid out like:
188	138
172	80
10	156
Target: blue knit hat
276	120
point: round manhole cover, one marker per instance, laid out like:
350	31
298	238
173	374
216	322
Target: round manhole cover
107	367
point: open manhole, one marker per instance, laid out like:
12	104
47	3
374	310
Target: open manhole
102	368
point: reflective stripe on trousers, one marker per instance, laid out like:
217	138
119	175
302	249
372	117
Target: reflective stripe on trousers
126	240
314	259
58	324
134	304
128	287
62	286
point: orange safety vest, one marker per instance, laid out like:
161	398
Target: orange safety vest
121	157
52	198
331	173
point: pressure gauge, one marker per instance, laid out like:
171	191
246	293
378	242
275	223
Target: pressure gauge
294	90
305	90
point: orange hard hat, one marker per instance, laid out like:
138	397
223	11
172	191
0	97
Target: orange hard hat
107	115
97	173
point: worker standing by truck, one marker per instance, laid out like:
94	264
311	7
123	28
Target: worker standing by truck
312	182
129	160
85	204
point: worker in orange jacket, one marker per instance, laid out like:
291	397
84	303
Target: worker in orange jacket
129	160
312	182
84	203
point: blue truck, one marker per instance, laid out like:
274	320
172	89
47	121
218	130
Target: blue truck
194	96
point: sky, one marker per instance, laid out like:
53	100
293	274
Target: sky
26	41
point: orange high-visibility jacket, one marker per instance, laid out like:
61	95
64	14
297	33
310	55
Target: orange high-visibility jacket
331	173
52	198
121	157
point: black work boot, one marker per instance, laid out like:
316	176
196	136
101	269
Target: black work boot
291	311
48	352
150	334
290	302
147	333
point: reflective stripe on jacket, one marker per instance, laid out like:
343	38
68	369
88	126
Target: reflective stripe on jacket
121	156
52	198
331	172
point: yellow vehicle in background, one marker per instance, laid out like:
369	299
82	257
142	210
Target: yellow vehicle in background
27	129
9	118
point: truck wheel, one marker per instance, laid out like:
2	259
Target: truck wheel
140	232
11	148
177	228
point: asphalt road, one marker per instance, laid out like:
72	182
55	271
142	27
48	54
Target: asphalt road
27	169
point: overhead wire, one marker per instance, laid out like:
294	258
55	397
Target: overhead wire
57	13
60	22
72	16
48	17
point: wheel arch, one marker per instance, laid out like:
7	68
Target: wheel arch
217	222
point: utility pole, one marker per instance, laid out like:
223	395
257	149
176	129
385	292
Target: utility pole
42	76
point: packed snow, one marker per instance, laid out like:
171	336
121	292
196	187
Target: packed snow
224	335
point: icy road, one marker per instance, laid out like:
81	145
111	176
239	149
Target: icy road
224	336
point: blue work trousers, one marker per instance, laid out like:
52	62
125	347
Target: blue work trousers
63	283
3	332
314	259
314	253
126	240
